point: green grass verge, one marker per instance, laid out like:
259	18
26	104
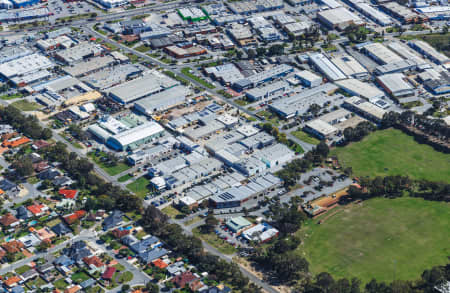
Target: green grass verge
11	97
25	105
125	277
124	178
139	186
142	48
111	170
212	239
187	71
379	238
303	136
22	269
391	152
241	102
176	77
192	221
171	211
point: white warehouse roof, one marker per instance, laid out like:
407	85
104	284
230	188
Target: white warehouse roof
135	134
327	67
359	88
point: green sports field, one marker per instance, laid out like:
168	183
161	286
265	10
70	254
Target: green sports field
379	238
391	152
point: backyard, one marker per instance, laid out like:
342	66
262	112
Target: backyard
379	238
391	152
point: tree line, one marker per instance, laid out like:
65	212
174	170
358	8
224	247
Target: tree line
397	186
26	124
434	132
325	283
361	130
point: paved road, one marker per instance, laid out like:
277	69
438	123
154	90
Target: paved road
228	258
84	235
167	67
139	277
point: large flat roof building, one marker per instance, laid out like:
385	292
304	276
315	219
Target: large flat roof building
381	54
86	67
396	85
308	78
236	196
324	65
151	83
339	18
227	73
25	65
112	76
403	13
13	52
134	137
289	107
364	108
406	52
429	52
262	77
320	128
372	13
359	88
162	101
350	66
272	89
79	52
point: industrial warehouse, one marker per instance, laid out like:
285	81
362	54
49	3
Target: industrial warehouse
234	120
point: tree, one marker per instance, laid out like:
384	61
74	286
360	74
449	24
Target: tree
154	220
152	287
276	49
210	223
325	281
239	54
289	266
261	51
251	54
125	288
314	109
322	149
24	167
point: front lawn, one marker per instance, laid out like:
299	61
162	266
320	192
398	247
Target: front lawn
25	105
171	211
124	178
187	71
303	136
22	269
11	96
111	170
212	239
125	277
379	238
139	186
391	152
79	277
60	284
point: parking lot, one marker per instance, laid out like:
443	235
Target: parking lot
65	9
